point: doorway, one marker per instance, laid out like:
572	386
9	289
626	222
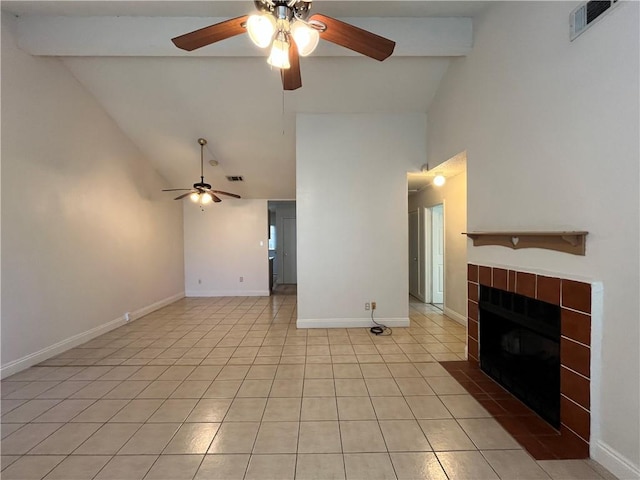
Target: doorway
282	243
414	256
434	255
289	251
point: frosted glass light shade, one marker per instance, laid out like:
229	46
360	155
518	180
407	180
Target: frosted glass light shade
206	198
261	29
439	180
306	38
279	57
194	197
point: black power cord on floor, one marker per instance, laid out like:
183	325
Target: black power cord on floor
379	329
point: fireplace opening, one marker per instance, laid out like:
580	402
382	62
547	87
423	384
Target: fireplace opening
520	348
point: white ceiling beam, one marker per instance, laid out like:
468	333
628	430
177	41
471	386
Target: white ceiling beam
151	36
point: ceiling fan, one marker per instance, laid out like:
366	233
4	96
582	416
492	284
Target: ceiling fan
291	30
201	192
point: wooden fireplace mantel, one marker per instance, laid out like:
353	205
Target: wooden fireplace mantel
568	242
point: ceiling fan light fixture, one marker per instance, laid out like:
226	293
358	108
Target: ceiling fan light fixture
279	56
201	191
306	38
261	29
272	25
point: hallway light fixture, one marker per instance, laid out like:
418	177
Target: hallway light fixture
439	180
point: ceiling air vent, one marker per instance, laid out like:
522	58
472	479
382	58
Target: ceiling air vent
586	14
235	178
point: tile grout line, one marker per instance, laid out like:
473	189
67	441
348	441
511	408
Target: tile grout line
190	330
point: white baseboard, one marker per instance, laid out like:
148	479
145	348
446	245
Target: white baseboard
227	293
141	312
52	350
617	464
57	348
453	315
350	322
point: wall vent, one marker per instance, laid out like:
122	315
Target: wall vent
586	15
235	178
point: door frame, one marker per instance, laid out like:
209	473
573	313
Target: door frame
284	254
434	254
419	294
428	253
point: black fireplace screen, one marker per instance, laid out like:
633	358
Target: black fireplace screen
520	348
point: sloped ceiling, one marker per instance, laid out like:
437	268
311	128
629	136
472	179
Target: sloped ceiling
164	104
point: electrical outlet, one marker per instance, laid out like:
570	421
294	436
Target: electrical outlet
366	306
241	279
373	305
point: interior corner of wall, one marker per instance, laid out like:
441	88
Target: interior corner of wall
453	315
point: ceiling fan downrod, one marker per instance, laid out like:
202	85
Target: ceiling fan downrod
202	142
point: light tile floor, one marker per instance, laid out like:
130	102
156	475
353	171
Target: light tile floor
226	388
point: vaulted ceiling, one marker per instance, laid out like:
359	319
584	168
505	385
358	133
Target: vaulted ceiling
165	99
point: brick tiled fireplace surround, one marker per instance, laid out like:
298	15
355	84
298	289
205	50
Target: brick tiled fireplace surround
574	299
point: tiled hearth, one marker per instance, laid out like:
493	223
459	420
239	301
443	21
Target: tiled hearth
574	298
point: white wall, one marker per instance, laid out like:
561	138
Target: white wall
454	196
222	244
352	215
551	133
85	234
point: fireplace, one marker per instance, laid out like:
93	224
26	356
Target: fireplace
516	293
520	340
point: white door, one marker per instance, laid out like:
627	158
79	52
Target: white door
414	254
437	254
289	273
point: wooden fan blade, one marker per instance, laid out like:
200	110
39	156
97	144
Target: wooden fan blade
211	34
226	193
184	195
354	38
213	195
291	79
176	189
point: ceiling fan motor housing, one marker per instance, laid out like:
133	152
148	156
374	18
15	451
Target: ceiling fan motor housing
201	186
301	8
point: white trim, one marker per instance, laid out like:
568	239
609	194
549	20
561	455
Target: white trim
350	322
421	298
227	293
52	350
453	315
427	257
613	461
595	382
141	312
